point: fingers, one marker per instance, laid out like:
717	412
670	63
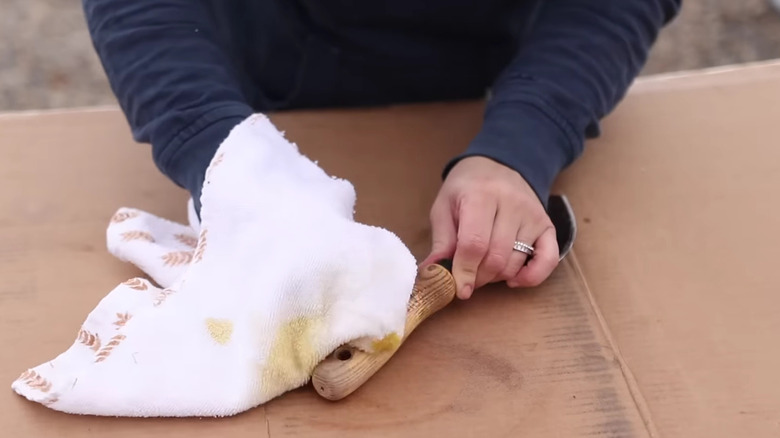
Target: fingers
475	225
518	258
443	232
500	251
541	265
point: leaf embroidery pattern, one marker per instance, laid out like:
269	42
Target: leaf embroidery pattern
91	340
106	351
122	216
187	239
162	295
137	235
50	400
136	283
35	381
201	245
177	258
121	319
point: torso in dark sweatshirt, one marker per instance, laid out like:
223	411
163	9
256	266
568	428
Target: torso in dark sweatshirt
186	71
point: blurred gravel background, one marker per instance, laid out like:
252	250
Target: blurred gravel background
47	61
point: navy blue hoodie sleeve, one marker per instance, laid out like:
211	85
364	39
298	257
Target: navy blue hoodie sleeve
172	77
574	67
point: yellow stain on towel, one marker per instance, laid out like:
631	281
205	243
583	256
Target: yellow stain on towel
292	357
388	343
220	329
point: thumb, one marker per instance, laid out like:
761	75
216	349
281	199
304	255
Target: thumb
443	233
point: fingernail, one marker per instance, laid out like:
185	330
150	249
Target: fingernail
466	291
512	284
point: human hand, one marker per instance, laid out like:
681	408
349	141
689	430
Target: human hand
482	208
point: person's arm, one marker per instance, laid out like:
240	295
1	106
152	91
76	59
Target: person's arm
172	79
575	65
573	68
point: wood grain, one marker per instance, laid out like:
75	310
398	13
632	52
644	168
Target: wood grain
348	368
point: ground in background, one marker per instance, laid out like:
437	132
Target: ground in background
47	60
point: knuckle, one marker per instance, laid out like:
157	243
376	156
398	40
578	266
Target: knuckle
510	270
474	244
477	198
495	262
507	194
508	274
465	197
438	248
541	218
534	280
529	206
439	242
465	272
540	274
435	210
434	216
499	188
538	216
550	259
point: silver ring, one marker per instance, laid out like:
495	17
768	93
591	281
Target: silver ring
524	247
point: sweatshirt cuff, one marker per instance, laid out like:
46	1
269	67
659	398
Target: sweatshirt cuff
525	137
185	159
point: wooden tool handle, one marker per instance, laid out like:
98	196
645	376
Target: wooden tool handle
347	368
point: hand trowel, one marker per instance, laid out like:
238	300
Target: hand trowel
348	368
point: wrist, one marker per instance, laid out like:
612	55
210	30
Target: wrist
525	139
185	160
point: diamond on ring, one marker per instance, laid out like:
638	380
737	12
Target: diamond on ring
524	247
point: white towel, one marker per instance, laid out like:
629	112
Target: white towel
276	276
